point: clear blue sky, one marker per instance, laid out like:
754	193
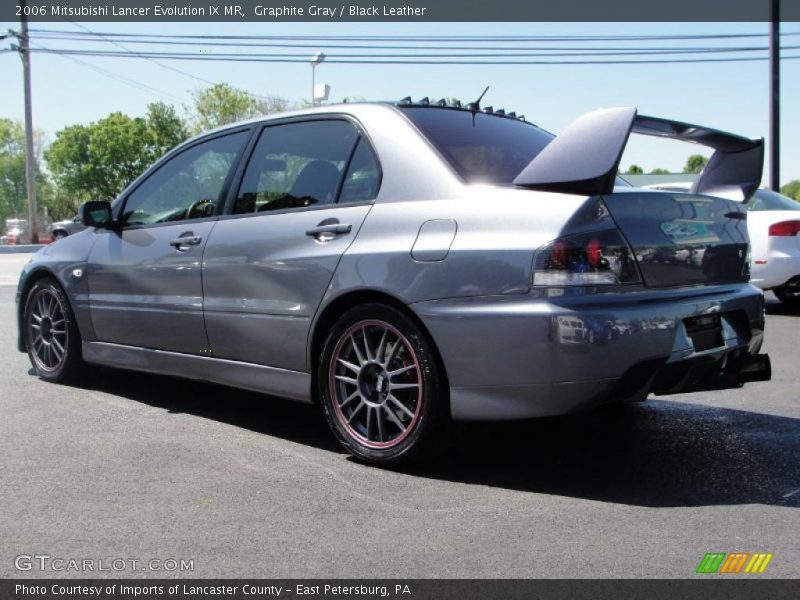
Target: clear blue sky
730	96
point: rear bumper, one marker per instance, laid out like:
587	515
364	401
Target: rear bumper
776	272
539	355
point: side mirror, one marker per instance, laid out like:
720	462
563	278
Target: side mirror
96	213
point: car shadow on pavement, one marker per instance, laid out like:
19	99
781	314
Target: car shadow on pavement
776	307
658	453
295	421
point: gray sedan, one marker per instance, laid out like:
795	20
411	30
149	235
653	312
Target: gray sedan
61	229
408	264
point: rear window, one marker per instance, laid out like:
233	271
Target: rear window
768	200
482	148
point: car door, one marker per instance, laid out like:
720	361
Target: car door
145	276
303	195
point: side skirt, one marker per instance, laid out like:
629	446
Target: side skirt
258	378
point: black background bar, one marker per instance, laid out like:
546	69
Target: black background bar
702	587
434	10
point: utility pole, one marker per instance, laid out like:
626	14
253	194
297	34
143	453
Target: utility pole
775	97
30	160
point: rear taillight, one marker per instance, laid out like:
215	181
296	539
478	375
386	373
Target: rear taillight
784	229
595	258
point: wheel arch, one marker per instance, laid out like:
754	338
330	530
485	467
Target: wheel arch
341	304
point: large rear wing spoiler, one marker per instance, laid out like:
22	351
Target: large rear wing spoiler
585	158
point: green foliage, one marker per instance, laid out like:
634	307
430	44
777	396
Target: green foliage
221	104
165	128
60	205
12	169
695	163
96	161
13	190
634	170
659	171
792	189
269	105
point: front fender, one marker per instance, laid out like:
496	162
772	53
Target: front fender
65	261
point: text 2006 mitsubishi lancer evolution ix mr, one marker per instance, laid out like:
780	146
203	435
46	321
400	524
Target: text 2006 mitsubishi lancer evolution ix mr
406	264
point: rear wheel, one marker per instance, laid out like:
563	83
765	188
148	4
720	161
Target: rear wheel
51	335
59	235
789	294
380	387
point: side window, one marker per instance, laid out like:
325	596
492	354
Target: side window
188	186
296	165
363	176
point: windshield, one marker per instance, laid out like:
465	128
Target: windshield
769	200
482	148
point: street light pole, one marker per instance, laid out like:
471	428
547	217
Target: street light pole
30	161
775	97
315	60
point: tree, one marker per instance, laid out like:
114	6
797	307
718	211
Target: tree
792	189
12	168
221	104
695	163
269	105
96	161
13	189
659	171
166	129
634	170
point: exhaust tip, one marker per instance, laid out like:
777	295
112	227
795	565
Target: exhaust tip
754	368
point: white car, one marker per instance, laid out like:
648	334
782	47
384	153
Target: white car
773	223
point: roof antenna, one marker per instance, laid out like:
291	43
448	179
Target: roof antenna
476	106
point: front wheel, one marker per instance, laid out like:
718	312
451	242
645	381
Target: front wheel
380	386
51	334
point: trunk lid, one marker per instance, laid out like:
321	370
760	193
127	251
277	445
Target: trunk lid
683	239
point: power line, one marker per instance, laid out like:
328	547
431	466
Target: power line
418	61
538	53
152	60
437	39
159	42
126	80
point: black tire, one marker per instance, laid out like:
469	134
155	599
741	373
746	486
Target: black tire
376	435
56	355
59	235
790	296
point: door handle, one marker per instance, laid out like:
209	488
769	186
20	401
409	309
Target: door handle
186	240
332	228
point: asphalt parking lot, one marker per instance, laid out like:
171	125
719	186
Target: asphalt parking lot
137	466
